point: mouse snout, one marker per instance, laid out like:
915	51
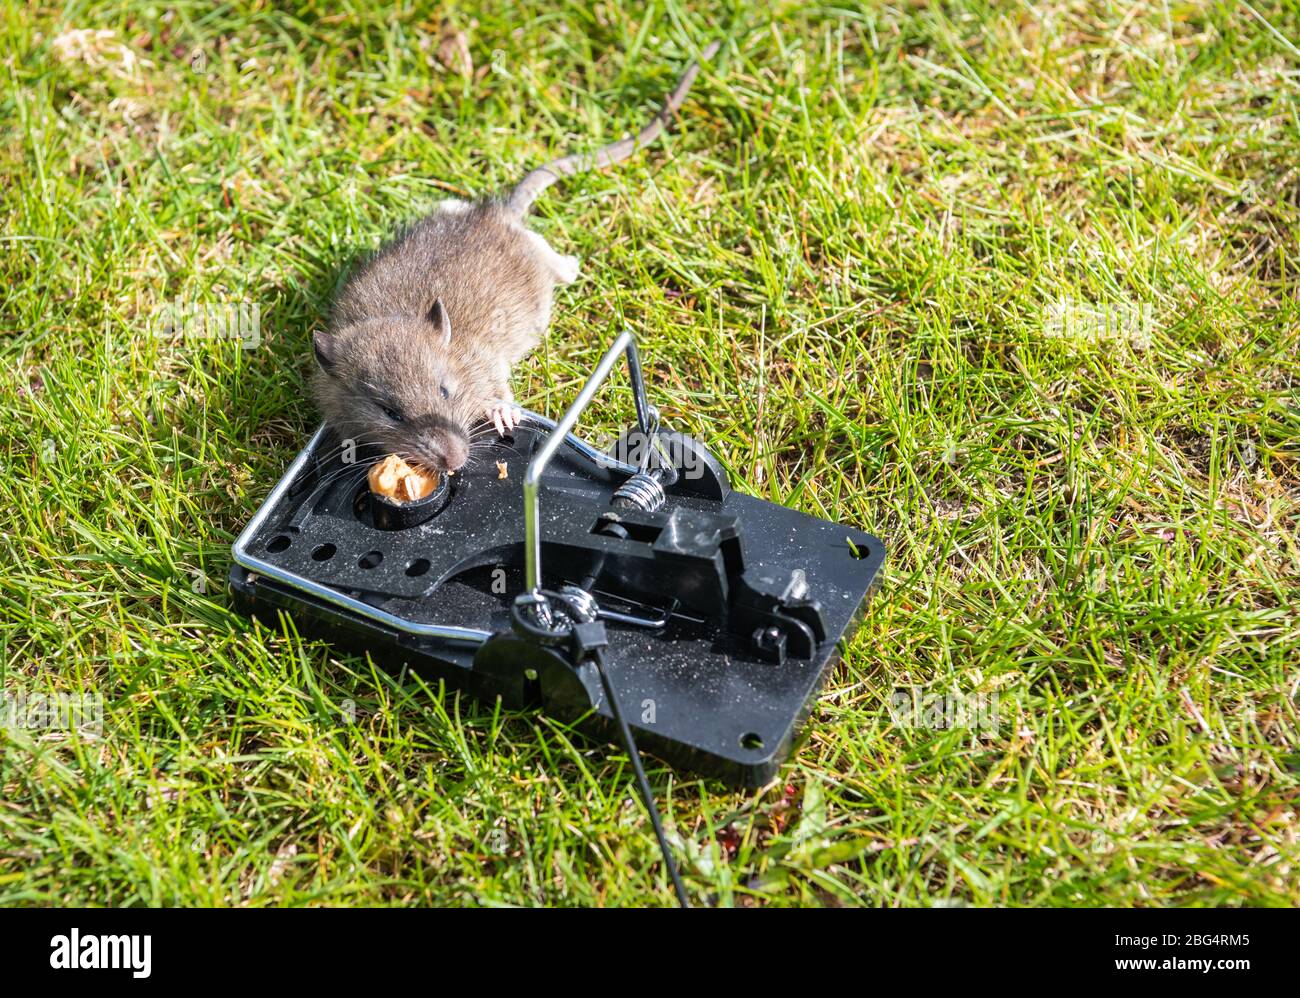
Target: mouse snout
456	448
443	447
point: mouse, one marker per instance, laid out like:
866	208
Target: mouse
424	334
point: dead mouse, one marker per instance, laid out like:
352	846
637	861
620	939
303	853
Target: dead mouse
425	333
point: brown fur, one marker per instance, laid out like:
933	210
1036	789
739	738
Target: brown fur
428	329
383	349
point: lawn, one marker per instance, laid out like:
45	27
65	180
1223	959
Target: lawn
1011	286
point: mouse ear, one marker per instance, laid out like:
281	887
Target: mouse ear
322	345
441	322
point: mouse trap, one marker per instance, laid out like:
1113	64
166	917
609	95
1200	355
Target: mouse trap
554	575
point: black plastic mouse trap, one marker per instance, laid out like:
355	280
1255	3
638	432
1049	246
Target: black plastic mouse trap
715	616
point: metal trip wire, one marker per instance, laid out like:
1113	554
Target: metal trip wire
643	785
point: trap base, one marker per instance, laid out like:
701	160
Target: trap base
717	616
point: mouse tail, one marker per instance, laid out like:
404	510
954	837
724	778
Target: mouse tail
527	190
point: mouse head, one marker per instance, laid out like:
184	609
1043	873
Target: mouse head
393	382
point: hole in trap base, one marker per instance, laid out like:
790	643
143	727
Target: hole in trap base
370	559
417	568
278	543
751	740
323	552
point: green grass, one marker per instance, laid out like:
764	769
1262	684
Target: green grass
842	267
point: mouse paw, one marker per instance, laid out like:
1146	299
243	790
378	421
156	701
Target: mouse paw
566	269
505	416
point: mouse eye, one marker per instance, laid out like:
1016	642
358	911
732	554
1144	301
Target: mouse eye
392	414
442	390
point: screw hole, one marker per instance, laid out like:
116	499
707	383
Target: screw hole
418	567
858	551
371	559
751	740
323	553
278	543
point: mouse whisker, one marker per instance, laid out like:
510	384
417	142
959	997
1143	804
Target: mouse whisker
340	474
362	439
